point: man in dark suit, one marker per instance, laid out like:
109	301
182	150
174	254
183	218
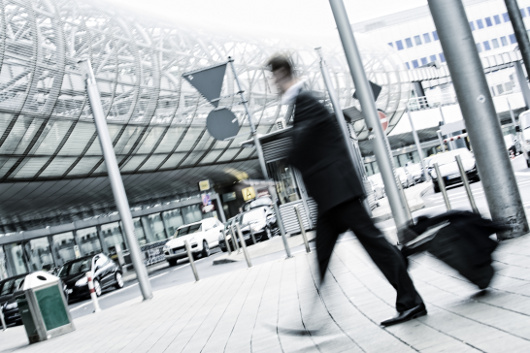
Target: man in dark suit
321	155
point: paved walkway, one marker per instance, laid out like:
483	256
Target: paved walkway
274	307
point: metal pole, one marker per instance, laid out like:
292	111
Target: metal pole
352	146
4	326
252	234
190	257
520	32
250	122
234	240
227	244
512	116
418	146
279	220
220	207
484	129
523	83
439	134
466	184
441	185
302	228
364	92
115	178
243	246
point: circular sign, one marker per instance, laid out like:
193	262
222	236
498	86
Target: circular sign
222	124
383	119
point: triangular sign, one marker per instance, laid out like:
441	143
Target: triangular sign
208	82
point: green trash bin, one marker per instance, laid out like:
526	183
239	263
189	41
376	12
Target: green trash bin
43	307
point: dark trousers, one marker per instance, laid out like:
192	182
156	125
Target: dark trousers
352	215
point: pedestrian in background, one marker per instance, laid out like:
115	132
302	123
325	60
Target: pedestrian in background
318	151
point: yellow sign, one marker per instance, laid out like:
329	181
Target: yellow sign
204	185
248	193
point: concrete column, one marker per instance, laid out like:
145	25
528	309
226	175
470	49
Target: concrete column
484	129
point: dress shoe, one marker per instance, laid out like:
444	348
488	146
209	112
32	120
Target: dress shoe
412	313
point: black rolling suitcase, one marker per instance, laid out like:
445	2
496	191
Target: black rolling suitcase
461	239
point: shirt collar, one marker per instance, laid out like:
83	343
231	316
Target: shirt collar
292	92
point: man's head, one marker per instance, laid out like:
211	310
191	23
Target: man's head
282	72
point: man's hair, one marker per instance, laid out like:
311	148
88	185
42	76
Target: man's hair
280	62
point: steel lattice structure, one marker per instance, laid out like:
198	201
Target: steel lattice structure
51	165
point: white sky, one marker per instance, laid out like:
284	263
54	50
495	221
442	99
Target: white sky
266	17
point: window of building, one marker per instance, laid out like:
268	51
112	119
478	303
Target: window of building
497	19
504	41
88	241
471	25
488	22
505	17
408	42
442	57
423	61
408	65
14	256
399	45
153	228
435	35
495	43
512	38
391	44
417	40
63	248
39	254
479	47
426	38
500	90
415	63
523	12
528	9
480	25
113	238
433	58
486	45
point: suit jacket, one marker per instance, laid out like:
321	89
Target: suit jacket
320	154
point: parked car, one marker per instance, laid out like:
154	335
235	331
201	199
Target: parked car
227	234
263	201
377	185
202	236
10	288
105	274
404	177
416	172
449	168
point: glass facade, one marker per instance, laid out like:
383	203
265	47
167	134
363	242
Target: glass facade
16	264
113	237
39	254
88	241
64	248
286	186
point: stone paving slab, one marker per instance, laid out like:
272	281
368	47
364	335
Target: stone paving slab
260	308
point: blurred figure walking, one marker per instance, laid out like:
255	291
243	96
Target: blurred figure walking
320	154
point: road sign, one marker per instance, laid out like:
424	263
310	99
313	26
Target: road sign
204	185
248	193
208	82
383	119
222	124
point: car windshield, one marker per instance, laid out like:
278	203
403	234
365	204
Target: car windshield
449	157
253	215
194	228
11	285
75	267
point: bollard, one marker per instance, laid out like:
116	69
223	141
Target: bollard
227	245
302	229
190	257
234	240
441	184
466	184
243	245
4	327
252	235
93	295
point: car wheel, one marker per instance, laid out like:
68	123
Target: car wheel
268	234
119	280
528	163
172	262
205	249
436	187
97	287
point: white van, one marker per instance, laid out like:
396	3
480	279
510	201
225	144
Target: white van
524	128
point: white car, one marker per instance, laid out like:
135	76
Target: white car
202	236
449	168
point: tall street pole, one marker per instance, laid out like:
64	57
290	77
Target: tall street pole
476	104
115	177
397	202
